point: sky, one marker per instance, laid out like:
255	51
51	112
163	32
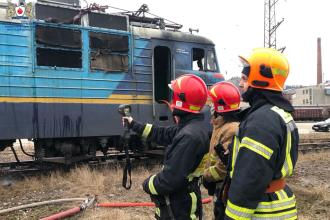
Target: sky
237	26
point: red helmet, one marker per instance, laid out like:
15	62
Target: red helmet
225	97
189	93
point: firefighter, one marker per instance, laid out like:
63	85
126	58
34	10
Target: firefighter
265	149
175	189
224	108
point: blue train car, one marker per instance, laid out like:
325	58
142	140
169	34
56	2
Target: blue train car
61	83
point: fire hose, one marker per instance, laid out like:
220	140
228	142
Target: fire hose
40	204
87	203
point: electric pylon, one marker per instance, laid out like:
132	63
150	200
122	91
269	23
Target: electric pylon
270	24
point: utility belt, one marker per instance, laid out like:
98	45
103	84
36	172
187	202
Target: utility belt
276	185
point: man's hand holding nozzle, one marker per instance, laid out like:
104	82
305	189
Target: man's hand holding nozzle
127	120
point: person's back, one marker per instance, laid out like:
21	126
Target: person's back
179	178
175	189
265	149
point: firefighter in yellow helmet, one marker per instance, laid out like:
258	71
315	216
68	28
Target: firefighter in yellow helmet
265	149
225	106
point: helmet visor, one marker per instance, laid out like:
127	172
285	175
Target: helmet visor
170	86
243	61
246	66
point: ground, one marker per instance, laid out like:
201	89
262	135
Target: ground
310	183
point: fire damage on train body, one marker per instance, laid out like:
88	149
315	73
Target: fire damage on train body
64	72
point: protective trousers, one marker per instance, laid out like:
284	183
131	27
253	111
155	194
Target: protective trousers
180	206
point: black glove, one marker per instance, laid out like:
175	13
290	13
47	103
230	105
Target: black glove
210	186
127	121
221	153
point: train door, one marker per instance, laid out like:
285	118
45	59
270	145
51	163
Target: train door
162	73
162	76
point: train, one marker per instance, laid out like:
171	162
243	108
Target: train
64	71
311	113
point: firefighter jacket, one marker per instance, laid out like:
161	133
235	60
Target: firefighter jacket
264	149
187	143
223	133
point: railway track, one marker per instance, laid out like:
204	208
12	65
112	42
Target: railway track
314	140
312	147
33	167
314	144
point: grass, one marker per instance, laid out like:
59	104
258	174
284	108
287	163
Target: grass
313	199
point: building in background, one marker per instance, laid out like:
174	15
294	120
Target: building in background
317	95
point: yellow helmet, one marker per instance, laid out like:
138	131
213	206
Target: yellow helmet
266	68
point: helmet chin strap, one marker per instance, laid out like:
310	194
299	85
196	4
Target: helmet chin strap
178	114
248	95
176	119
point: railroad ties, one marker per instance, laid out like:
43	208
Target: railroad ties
314	145
115	159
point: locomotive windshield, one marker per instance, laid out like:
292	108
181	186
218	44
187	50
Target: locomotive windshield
211	63
201	62
198	59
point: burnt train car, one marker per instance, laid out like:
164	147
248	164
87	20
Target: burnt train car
310	113
61	82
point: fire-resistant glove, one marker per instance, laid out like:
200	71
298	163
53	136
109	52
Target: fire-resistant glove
127	121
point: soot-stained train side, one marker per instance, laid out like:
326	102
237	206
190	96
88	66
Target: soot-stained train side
61	82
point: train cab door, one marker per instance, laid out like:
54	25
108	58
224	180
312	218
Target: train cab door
162	76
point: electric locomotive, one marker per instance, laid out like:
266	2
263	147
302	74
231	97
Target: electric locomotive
64	70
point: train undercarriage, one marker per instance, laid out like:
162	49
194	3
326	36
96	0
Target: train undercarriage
71	150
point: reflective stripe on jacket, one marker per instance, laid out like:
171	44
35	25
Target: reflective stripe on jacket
264	149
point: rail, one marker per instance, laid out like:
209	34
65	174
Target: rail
35	167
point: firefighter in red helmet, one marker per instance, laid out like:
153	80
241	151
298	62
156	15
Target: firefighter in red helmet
265	149
225	106
175	189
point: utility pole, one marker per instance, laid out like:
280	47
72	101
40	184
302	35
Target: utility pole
270	25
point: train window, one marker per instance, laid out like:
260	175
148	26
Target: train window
58	47
108	52
211	62
198	59
58	58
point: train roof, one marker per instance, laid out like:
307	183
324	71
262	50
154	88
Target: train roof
144	27
170	35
